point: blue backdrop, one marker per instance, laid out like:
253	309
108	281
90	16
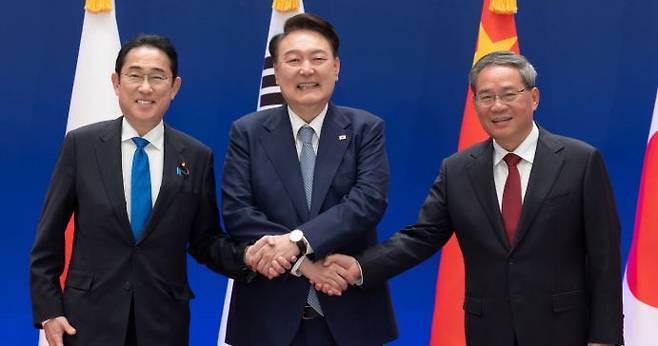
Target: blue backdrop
406	61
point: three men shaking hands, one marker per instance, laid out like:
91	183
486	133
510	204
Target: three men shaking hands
306	184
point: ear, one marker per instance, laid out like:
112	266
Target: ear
336	67
174	88
534	96
115	83
275	66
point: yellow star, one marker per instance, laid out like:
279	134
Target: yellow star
486	46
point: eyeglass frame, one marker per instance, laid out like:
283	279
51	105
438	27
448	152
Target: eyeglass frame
510	95
152	80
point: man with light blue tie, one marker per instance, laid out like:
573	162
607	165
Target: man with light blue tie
312	177
143	196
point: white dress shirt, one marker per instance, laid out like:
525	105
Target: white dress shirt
154	151
297	122
526	150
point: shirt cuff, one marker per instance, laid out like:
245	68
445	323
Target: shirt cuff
309	248
43	324
295	268
359	282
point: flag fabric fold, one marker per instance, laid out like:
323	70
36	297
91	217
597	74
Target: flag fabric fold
269	96
640	285
92	96
497	32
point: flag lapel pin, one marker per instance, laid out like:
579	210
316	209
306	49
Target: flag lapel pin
342	137
182	169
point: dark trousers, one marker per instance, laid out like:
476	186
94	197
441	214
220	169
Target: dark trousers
313	332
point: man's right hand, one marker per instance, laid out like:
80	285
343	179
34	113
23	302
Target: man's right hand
330	279
345	266
55	329
263	257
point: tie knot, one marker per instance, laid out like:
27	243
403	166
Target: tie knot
512	159
306	134
140	142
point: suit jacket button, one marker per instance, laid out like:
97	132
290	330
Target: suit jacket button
127	286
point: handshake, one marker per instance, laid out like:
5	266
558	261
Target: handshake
273	255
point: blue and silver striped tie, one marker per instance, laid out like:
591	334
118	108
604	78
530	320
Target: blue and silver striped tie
307	163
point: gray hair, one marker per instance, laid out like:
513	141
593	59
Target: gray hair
505	58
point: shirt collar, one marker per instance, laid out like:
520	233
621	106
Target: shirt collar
297	122
526	150
155	136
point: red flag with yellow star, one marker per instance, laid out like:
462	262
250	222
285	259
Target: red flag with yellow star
497	32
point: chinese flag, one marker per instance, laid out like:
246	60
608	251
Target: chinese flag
497	32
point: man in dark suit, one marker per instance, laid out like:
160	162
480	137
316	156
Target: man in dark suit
535	218
309	175
127	280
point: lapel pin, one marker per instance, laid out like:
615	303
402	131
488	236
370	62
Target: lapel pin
342	137
182	169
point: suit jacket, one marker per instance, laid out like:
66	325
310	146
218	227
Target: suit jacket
262	193
109	268
559	283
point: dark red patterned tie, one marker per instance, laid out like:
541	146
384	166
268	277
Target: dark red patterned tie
511	209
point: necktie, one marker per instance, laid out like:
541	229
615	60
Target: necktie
140	188
511	208
307	163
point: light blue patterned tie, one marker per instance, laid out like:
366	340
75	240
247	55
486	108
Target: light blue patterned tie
140	188
307	163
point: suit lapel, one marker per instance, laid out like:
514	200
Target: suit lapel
108	157
279	145
480	172
171	182
546	168
330	154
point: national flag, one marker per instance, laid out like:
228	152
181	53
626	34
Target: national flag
92	97
641	279
269	96
497	32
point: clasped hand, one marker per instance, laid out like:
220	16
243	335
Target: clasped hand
328	277
272	255
334	274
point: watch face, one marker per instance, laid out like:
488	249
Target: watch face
296	235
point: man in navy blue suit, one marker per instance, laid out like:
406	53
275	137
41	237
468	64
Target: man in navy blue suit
311	177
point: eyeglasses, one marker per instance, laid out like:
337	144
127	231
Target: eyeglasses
154	80
487	99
